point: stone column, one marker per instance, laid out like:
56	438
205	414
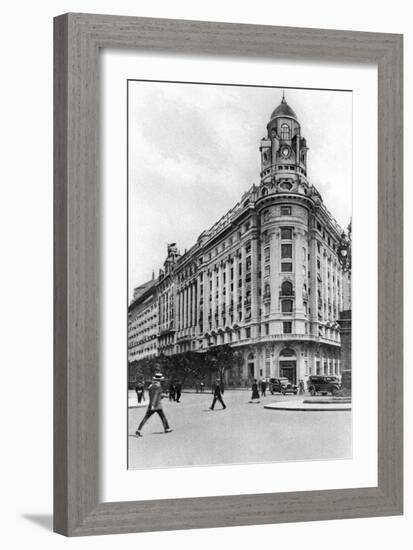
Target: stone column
275	271
195	307
187	310
183	307
298	262
236	290
254	285
180	309
228	291
313	284
244	285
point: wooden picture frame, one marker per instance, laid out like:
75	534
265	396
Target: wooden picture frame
78	39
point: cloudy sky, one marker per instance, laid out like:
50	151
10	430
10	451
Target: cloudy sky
194	150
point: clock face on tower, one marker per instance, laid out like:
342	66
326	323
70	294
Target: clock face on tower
285	151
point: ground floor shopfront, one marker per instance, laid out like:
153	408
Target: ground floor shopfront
293	360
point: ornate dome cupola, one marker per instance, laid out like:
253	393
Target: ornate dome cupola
283	151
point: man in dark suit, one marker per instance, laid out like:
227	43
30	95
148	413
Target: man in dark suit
178	390
140	390
155	404
217	395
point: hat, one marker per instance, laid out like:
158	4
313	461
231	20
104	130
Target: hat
158	377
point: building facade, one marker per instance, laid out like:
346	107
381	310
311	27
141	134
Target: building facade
265	278
143	322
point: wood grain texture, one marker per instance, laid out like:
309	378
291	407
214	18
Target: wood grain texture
78	39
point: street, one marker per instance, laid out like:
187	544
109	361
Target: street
243	433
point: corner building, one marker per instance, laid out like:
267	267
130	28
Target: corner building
266	278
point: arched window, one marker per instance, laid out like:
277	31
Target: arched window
264	192
285	131
287	352
287	288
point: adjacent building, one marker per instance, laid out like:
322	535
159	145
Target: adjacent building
265	278
143	322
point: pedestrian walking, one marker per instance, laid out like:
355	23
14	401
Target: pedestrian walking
202	386
217	395
255	397
171	392
155	404
178	391
140	391
263	387
301	387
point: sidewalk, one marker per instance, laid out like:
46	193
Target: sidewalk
312	404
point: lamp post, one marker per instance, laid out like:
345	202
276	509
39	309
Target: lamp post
344	257
344	251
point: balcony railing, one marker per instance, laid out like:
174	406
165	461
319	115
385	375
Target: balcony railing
287	295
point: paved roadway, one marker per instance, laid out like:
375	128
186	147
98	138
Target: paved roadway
243	433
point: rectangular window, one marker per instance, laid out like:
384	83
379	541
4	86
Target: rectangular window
267	254
287	327
285	210
286	267
267	271
267	329
287	306
247	333
286	251
286	233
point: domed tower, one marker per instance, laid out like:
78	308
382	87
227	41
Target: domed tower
284	150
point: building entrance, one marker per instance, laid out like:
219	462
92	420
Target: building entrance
288	369
288	365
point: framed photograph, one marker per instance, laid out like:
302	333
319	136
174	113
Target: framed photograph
228	274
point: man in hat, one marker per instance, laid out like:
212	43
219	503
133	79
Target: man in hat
155	404
217	395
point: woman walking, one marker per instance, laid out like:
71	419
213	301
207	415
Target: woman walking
255	397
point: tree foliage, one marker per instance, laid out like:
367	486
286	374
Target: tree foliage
187	367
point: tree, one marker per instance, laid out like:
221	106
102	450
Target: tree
221	359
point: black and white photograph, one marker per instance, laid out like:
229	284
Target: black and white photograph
239	274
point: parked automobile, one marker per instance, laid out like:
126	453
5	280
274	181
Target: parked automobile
283	385
323	385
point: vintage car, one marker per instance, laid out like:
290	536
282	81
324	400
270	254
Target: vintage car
323	385
282	385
